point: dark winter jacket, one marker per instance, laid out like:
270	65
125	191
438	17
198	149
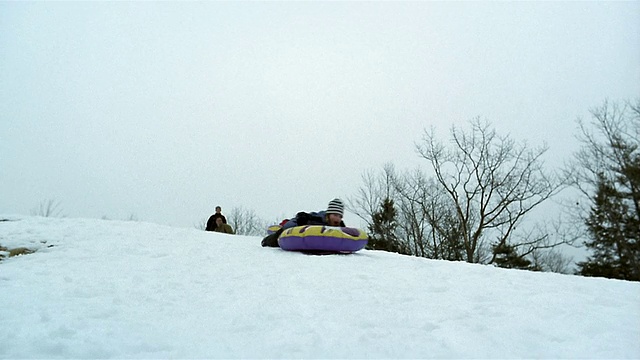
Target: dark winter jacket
211	223
312	218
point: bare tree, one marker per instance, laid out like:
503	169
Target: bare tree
202	224
539	244
483	188
420	212
246	222
377	187
491	183
412	199
47	208
551	261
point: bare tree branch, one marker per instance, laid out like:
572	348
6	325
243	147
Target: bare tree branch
492	182
246	222
48	208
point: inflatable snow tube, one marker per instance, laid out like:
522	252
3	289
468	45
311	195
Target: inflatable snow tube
323	238
273	228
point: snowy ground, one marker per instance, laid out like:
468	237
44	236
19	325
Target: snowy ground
110	289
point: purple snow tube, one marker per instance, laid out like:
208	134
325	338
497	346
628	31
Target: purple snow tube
323	238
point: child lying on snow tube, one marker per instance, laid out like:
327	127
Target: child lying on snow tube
331	217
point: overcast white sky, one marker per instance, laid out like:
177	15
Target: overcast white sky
165	109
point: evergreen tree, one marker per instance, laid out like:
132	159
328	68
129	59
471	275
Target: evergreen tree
608	173
382	234
506	256
614	230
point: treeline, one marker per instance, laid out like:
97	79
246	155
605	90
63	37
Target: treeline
473	201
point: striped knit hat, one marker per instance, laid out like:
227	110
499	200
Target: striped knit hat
335	207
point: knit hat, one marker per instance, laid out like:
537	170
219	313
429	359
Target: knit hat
335	207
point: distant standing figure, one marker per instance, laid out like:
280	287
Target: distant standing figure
222	227
211	223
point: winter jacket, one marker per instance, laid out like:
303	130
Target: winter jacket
312	218
224	228
211	223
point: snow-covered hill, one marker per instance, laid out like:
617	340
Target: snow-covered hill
109	289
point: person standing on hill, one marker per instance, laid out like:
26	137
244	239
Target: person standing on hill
211	223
